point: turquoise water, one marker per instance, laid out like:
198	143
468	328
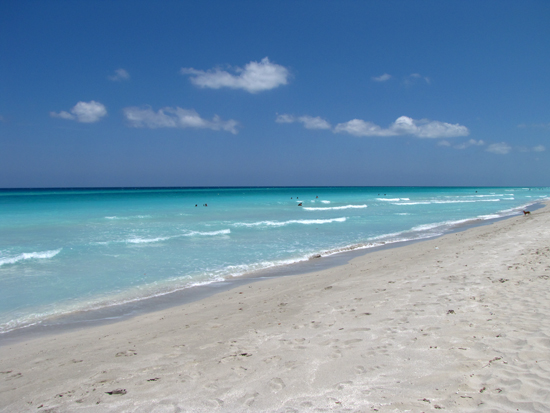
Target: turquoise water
63	251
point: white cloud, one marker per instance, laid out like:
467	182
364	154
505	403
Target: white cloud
414	77
535	125
255	77
285	119
471	142
175	118
382	78
404	126
62	115
89	112
443	143
85	112
314	123
120	74
501	148
539	148
309	122
358	127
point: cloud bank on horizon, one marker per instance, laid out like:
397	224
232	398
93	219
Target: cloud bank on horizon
501	148
402	126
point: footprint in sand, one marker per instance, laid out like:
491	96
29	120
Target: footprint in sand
272	359
352	341
249	398
127	353
343	385
276	384
360	370
14	376
329	342
337	354
214	403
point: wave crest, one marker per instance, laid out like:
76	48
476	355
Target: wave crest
130	217
338	207
29	256
139	240
293	221
210	233
146	240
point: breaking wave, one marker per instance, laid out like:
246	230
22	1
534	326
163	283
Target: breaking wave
293	221
29	256
139	240
131	217
338	207
210	233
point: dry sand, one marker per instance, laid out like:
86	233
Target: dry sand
457	323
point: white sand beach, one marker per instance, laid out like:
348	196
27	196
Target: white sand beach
457	323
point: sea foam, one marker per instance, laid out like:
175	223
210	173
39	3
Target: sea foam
284	223
210	233
338	207
146	240
130	217
30	256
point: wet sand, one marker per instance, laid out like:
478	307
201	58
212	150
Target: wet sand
460	323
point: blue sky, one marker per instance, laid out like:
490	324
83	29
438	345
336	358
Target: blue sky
261	93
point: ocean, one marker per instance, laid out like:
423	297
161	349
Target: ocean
67	251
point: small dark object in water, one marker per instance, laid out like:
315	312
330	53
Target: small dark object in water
300	204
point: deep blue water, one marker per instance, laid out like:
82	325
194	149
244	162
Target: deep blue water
63	251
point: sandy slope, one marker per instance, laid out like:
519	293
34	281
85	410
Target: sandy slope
459	323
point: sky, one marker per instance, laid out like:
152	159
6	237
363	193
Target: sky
274	93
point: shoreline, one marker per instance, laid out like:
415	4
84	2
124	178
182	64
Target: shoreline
459	322
121	312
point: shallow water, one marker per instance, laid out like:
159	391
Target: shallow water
63	251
